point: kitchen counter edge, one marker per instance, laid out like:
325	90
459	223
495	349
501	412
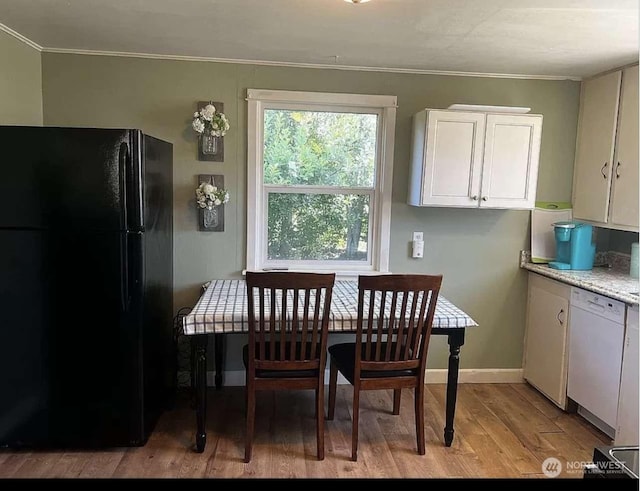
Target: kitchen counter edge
596	286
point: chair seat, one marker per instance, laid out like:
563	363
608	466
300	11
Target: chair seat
280	373
344	356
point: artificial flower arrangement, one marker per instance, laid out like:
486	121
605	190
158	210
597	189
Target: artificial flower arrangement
209	121
209	196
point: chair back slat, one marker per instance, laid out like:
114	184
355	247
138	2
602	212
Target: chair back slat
381	322
400	338
315	332
272	325
421	321
261	320
305	320
281	337
294	325
283	325
370	316
391	326
411	328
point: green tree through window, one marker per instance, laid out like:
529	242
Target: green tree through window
319	174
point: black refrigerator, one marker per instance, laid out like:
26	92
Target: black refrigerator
86	280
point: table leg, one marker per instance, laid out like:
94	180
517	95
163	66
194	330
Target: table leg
192	369
219	359
455	341
201	391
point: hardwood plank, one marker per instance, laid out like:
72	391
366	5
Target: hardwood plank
337	461
575	425
566	450
12	461
70	465
522	458
37	465
502	431
102	464
537	400
492	460
526	425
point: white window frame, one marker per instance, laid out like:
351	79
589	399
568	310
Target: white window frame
380	205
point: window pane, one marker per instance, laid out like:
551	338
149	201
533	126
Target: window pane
319	148
316	227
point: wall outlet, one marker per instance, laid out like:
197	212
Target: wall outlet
418	236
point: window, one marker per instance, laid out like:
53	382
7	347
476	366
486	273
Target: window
319	181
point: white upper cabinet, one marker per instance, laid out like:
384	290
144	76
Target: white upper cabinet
605	183
511	156
474	159
624	200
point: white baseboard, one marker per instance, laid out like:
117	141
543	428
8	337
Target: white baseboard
477	376
433	376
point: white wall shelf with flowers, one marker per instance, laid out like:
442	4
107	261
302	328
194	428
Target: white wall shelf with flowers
210	199
211	124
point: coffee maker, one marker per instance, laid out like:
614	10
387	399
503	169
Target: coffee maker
574	246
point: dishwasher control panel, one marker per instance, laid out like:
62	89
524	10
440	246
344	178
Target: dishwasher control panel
598	304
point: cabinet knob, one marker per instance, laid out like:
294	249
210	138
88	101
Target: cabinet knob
484	198
474	198
603	168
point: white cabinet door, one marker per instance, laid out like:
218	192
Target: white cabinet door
511	155
545	361
627	430
624	202
594	151
453	158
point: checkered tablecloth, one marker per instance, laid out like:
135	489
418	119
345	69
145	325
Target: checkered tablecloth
222	308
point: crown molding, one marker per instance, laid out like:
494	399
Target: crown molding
321	66
239	61
20	37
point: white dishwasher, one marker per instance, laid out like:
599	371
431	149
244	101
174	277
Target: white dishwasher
596	338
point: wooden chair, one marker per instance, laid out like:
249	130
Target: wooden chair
392	354
287	339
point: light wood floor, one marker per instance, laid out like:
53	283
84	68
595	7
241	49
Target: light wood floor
502	430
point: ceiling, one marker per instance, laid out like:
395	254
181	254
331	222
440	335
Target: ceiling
557	38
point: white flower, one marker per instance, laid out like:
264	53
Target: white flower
208	112
198	125
209	196
210	121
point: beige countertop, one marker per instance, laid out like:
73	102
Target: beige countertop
613	283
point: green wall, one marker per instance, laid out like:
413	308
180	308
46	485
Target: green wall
476	250
20	82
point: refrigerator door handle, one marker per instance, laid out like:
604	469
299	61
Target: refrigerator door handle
122	172
124	274
134	182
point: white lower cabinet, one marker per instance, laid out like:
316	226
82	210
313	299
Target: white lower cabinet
545	355
627	424
578	348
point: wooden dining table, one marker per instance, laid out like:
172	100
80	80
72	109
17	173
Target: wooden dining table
222	310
